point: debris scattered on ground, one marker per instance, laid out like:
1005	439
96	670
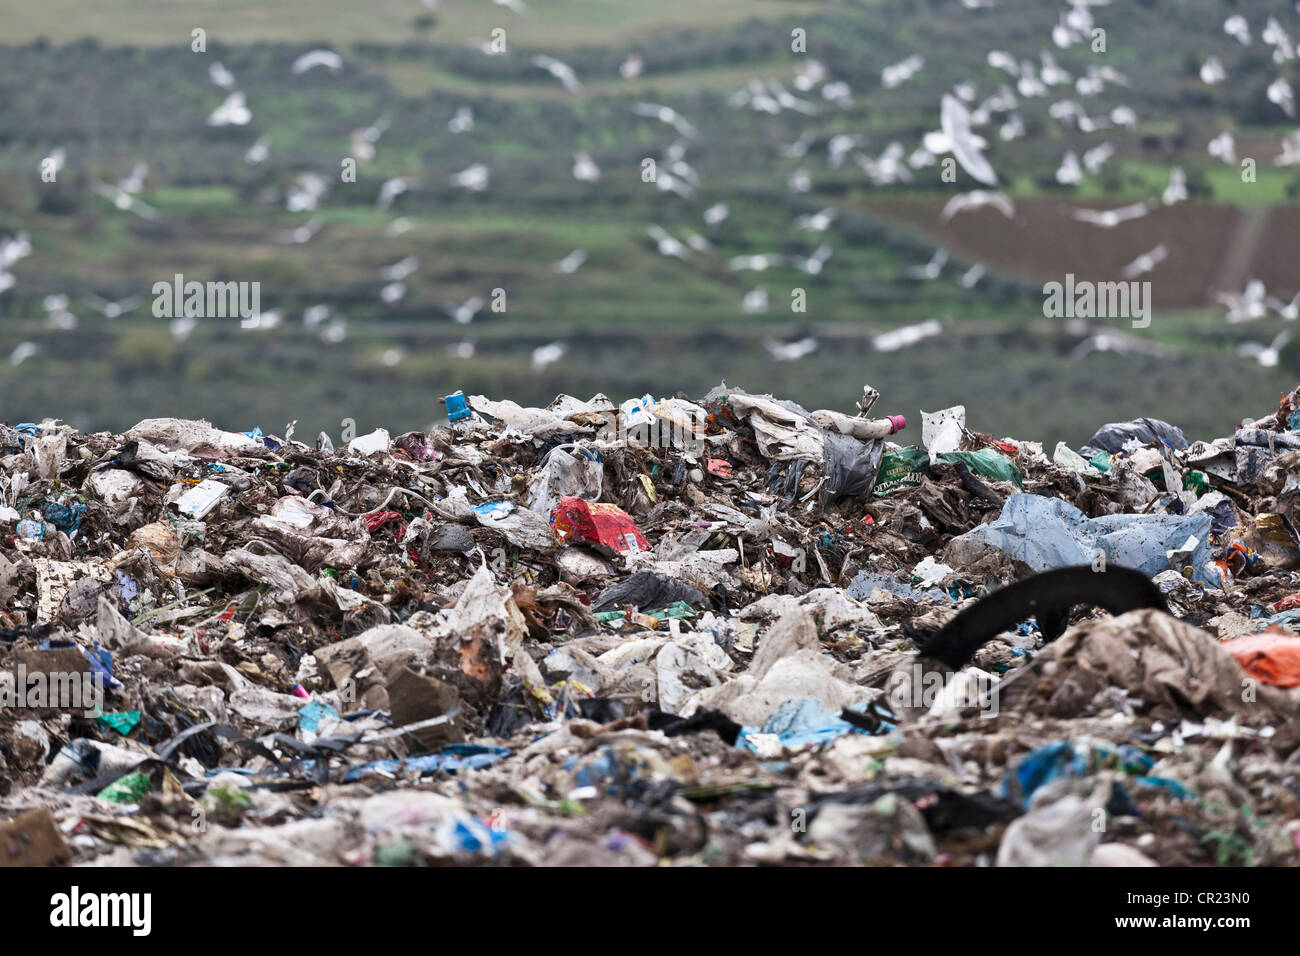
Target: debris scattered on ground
724	632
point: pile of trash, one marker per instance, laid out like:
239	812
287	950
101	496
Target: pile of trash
724	631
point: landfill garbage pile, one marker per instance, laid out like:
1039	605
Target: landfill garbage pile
724	631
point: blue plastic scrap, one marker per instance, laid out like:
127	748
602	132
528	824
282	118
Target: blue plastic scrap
100	659
800	723
471	836
1048	533
456	407
1064	759
66	519
494	509
452	759
126	587
1167	784
256	435
311	714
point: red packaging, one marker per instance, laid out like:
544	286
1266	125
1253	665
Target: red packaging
1288	603
377	519
607	527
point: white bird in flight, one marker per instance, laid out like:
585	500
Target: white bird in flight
1237	28
305	192
465	312
56	309
932	269
572	262
666	244
1110	218
314	58
665	114
258	152
1069	173
474	178
631	68
1282	96
221	76
818	221
301	235
390	190
584	167
1145	262
1287	310
233	111
813	264
1097	157
1266	355
402	269
561	71
463	121
1223	147
1290	154
1247	305
906	335
965	145
755	263
547	355
895	75
1176	191
123	200
14	248
790	351
22	352
977	199
112	310
1279	39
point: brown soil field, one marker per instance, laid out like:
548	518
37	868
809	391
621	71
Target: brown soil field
1211	245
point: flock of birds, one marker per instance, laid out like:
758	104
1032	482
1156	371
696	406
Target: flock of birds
814	93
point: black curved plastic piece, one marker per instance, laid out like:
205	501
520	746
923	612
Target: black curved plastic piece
1049	597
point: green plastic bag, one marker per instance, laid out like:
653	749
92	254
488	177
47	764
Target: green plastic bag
902	468
128	789
123	721
989	463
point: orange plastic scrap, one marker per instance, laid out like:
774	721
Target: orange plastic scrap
1271	656
604	525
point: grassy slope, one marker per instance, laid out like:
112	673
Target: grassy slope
557	23
635	321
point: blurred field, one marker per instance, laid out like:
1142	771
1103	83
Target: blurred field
556	23
632	319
